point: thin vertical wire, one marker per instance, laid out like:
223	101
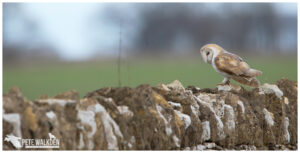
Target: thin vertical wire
119	56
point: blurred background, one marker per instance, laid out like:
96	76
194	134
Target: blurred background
55	47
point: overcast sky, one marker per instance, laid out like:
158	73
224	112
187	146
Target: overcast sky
64	25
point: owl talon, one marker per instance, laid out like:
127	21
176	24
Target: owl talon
224	83
227	82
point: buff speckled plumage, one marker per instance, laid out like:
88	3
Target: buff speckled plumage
230	65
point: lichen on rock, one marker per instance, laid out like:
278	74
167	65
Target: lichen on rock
269	89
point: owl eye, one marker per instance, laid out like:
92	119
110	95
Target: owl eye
207	53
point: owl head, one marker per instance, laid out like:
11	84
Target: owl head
209	51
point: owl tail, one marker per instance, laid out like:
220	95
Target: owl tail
252	82
253	73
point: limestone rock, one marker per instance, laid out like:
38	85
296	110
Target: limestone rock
167	117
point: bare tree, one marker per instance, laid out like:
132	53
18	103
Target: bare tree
238	26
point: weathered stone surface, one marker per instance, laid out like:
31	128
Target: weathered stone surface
167	117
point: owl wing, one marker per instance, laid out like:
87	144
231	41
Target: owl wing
232	65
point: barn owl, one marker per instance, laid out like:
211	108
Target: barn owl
229	65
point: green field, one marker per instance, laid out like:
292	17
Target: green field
88	76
